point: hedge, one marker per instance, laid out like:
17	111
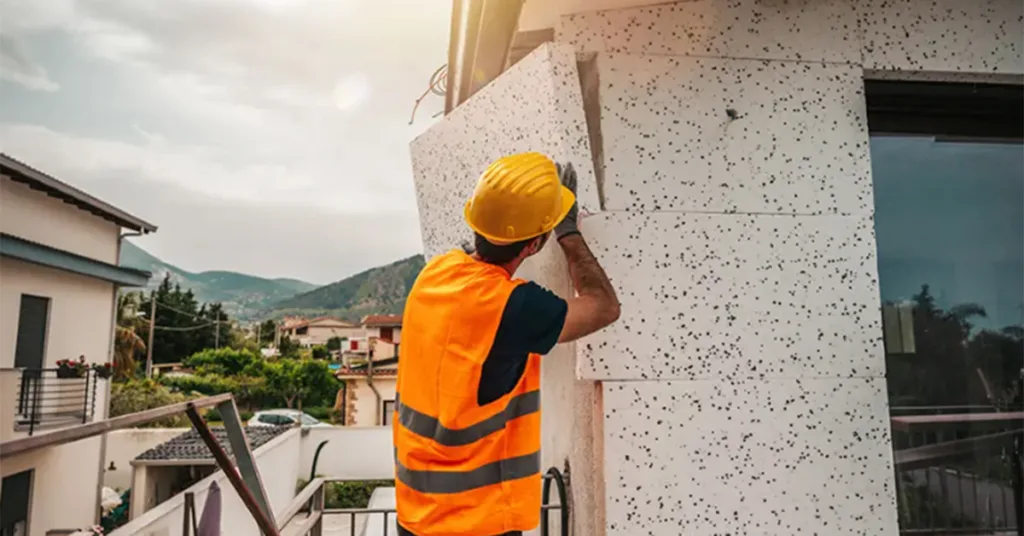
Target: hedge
349	494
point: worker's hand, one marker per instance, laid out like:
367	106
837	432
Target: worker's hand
567	175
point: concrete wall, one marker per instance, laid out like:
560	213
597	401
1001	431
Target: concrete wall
64	486
364	409
743	390
124	445
276	462
34	216
81	310
351	453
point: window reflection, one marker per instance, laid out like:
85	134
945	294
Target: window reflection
949	220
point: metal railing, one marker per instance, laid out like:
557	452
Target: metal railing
311	502
955	477
46	398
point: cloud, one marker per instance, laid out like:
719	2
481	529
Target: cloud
315	244
201	169
16	67
271	111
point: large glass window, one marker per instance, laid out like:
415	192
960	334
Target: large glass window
949	221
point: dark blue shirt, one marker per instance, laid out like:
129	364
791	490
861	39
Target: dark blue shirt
531	323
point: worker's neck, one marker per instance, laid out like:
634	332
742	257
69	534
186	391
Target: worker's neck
510	267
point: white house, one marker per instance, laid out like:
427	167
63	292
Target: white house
59	278
318	331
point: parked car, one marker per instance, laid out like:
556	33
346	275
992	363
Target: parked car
285	417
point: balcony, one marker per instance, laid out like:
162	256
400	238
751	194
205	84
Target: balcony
41	399
958	469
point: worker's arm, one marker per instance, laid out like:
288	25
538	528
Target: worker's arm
595	306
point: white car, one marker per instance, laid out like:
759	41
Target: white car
285	417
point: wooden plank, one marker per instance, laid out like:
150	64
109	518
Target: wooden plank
67	435
908	423
498	22
524	42
453	54
466	54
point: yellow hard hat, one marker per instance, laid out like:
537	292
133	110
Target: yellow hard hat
518	197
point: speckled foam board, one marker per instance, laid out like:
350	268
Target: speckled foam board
798	145
536	105
811	30
979	36
779	457
713	296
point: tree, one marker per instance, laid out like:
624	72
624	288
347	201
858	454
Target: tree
287	347
133	396
127	342
184	326
321	352
267	330
298	381
223	361
951	357
334	343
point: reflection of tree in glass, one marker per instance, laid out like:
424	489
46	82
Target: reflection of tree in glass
952	362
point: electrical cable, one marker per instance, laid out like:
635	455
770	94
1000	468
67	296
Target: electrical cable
438	86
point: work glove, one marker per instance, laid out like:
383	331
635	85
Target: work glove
567	175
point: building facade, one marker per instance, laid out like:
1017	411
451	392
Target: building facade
58	287
737	160
318	331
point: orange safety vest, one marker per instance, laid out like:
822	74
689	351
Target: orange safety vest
462	469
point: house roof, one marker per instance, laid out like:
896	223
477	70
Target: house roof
360	369
382	321
318	321
190	447
37	180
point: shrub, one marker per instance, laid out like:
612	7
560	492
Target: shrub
223	361
352	494
321	352
213	414
133	396
320	412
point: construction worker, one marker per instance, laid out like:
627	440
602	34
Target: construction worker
467	422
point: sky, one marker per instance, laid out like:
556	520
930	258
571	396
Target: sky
268	137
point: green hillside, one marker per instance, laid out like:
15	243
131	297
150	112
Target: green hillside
242	295
380	290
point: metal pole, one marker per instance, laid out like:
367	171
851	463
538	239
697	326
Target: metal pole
216	339
224	462
149	345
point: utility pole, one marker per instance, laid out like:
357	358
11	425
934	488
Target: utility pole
149	345
216	339
259	333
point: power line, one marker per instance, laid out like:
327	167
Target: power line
193	315
190	328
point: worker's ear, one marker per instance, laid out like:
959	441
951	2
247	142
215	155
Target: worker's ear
538	244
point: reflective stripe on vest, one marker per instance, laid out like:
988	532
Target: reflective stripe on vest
430	428
462	469
441	482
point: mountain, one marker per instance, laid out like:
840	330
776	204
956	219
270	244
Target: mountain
380	290
242	295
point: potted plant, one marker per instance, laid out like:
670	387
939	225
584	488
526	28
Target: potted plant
103	370
69	368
